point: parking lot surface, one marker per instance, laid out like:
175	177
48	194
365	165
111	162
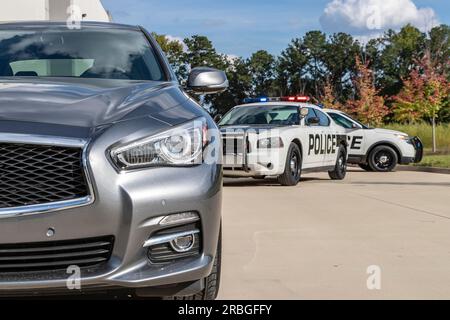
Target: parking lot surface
317	240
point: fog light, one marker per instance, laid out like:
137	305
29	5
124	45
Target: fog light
184	243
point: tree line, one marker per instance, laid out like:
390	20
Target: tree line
402	76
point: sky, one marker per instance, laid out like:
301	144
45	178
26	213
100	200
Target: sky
241	27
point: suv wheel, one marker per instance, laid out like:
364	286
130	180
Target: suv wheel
340	169
212	282
383	159
293	168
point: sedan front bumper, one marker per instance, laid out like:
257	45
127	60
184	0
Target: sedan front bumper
125	206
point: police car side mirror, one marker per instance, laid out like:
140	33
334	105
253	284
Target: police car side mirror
355	126
205	80
314	121
217	118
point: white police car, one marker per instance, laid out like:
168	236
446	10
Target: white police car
282	137
377	149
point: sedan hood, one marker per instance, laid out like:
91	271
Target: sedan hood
385	131
81	103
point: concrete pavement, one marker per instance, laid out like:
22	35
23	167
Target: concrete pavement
316	240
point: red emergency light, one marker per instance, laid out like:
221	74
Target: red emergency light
296	99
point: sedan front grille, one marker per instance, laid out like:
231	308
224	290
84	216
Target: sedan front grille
36	174
51	256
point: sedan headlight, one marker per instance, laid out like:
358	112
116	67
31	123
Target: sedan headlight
402	137
180	146
270	143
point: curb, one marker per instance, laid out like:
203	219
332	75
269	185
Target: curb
424	169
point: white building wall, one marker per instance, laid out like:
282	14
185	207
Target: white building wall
38	10
93	9
22	10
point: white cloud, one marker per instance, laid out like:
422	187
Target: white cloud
177	39
368	18
231	57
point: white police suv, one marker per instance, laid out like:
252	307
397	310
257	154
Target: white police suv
377	149
282	137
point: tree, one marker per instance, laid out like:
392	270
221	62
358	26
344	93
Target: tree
315	43
201	53
436	89
400	52
328	98
290	69
240	87
339	60
439	46
407	104
261	66
424	93
174	51
369	107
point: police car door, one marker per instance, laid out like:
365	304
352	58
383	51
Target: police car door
312	156
328	140
355	133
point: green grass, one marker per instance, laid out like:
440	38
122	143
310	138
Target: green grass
424	131
436	161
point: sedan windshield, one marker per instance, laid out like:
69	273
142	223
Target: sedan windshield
84	53
262	115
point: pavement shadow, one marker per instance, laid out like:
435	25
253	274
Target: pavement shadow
245	182
430	184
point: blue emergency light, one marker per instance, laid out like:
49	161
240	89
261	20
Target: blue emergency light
256	100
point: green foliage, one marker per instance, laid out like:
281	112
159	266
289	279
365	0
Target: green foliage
436	161
261	65
325	67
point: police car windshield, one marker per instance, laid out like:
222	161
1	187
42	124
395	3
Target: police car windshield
262	115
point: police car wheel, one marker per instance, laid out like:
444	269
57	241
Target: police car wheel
212	282
293	168
365	167
383	159
340	170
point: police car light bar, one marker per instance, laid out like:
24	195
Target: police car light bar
277	99
296	99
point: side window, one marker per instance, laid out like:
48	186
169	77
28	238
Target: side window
311	114
324	120
342	121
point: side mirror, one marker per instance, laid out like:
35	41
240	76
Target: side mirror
314	121
217	118
205	80
355	126
304	112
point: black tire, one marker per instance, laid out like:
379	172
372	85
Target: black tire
340	169
293	167
365	167
212	282
383	159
